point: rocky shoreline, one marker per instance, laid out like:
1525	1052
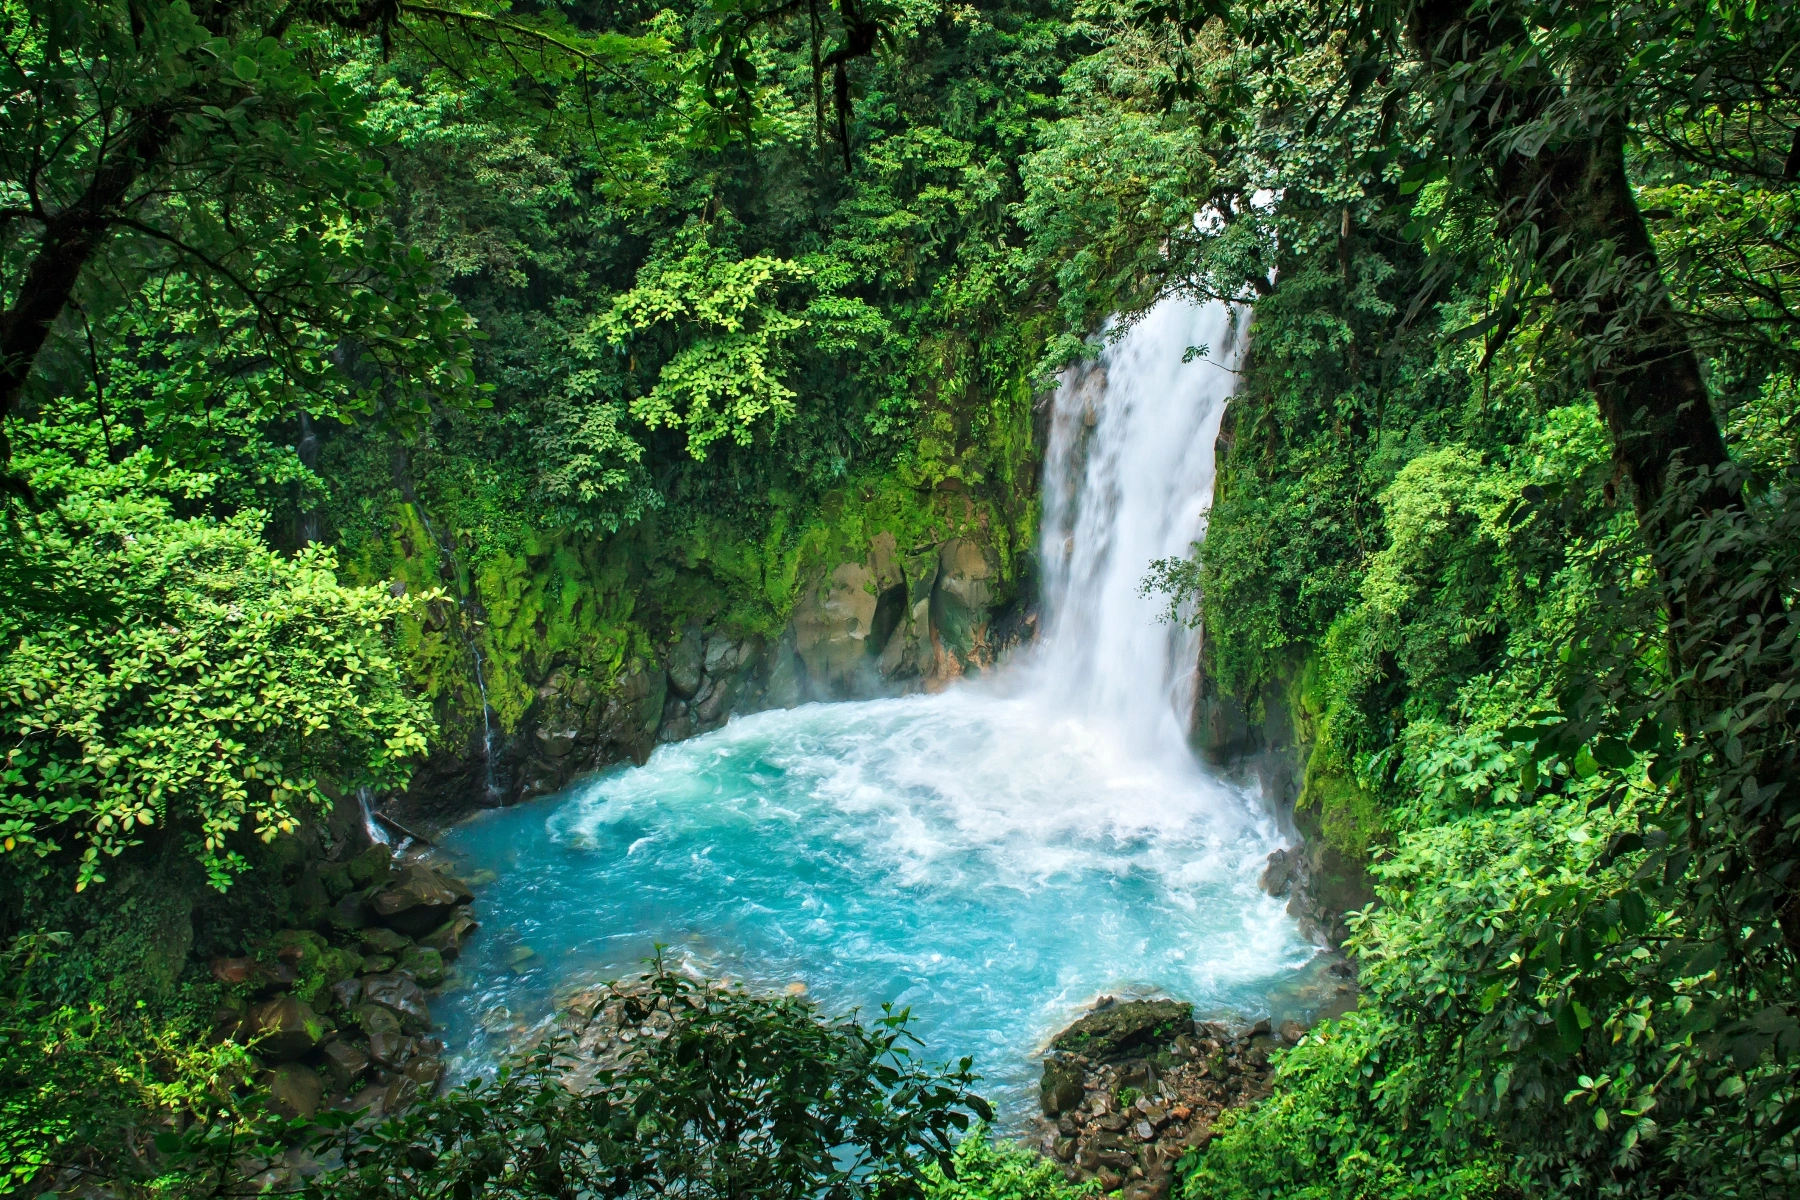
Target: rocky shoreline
1131	1087
336	1010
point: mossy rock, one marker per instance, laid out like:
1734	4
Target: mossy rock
335	876
1061	1090
1119	1029
424	964
377	940
372	866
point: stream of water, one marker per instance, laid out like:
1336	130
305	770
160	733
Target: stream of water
993	856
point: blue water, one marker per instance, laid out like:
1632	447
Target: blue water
975	856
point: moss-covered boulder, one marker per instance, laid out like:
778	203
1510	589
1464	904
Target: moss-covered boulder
284	1027
295	1090
1121	1029
1061	1090
423	964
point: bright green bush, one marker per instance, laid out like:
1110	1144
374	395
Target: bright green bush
178	677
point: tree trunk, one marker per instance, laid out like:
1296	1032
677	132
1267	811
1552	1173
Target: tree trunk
1573	195
70	239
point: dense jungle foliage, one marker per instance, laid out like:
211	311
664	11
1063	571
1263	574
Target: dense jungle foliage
349	347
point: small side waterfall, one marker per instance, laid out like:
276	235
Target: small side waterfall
1127	480
491	790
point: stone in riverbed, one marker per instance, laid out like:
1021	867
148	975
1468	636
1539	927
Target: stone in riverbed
400	994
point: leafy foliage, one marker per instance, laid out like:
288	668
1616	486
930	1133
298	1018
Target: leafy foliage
224	683
746	1096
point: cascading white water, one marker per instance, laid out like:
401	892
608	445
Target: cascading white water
993	856
1128	480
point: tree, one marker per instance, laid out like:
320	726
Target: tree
1531	107
147	140
217	684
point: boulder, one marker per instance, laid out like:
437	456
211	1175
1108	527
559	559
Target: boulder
350	913
425	1071
447	939
238	972
722	654
423	964
1115	1031
336	878
228	1023
391	1049
373	1019
346	992
372	866
418	901
1061	1089
399	994
1279	876
295	1090
284	1027
344	1064
377	940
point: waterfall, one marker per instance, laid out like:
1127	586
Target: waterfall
1128	480
377	833
993	856
491	791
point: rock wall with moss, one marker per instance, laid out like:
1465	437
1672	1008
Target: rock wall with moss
548	652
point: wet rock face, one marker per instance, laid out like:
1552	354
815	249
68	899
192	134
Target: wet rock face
960	601
1321	885
577	725
885	619
831	626
1130	1088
